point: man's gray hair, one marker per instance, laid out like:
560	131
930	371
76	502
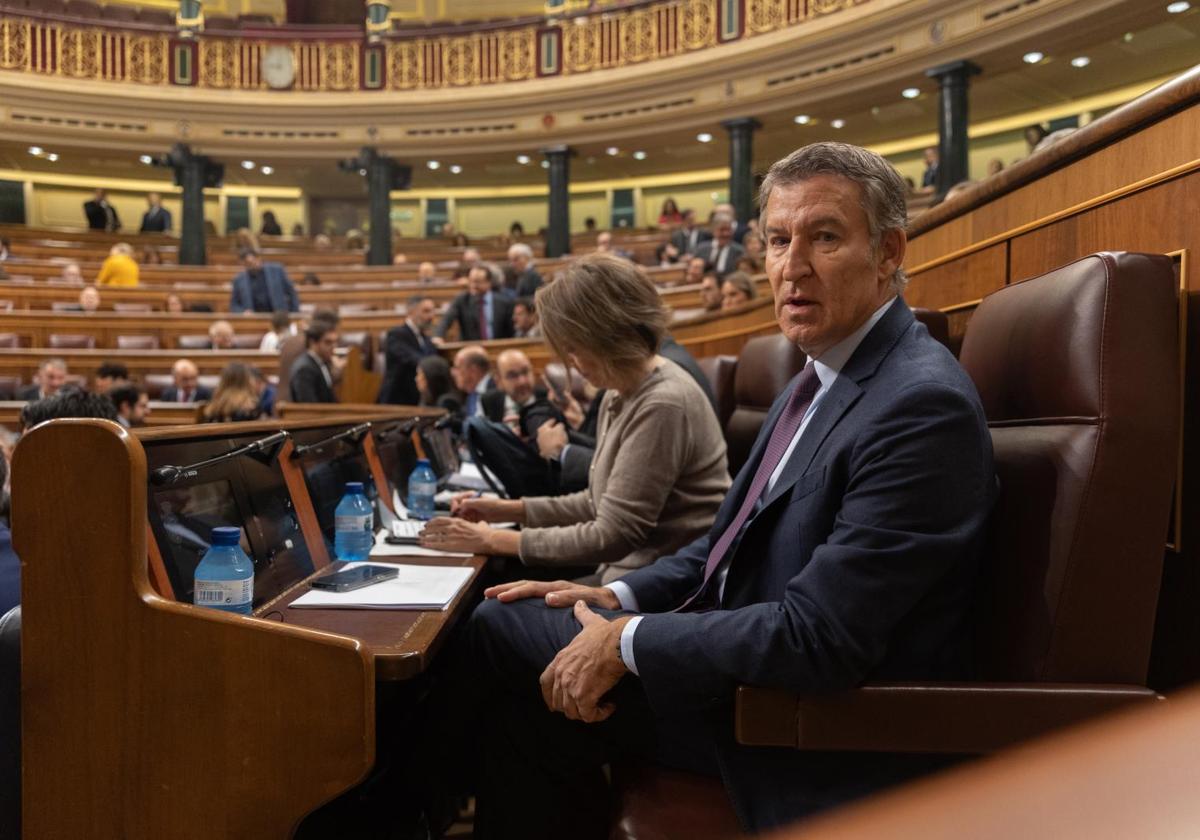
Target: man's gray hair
522	249
883	189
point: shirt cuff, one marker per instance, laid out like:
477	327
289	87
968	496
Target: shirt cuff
562	453
625	596
627	644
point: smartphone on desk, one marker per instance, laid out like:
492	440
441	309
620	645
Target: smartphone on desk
356	578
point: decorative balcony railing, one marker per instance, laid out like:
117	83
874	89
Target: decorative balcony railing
286	59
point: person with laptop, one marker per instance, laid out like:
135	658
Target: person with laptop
659	472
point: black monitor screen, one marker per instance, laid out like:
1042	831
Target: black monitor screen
439	447
326	479
188	516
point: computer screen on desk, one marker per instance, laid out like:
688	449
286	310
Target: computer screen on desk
326	472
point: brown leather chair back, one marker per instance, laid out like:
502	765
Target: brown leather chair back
194	342
720	371
764	368
937	323
137	342
64	341
156	383
9	385
10	340
362	339
247	341
131	307
1078	371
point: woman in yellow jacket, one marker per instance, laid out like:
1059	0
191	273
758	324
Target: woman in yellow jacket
119	268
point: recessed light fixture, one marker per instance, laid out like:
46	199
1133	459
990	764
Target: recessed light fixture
146	159
1080	61
523	160
837	123
1179	7
36	151
52	157
455	169
545	164
362	172
1033	57
247	164
910	93
612	151
802	119
704	137
639	155
434	164
268	170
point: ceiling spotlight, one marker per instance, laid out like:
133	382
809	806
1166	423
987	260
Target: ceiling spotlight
146	159
910	93
268	170
455	169
545	164
1032	57
1080	61
247	164
639	155
837	123
36	151
1179	7
433	164
612	151
704	137
52	157
362	172
802	119
523	159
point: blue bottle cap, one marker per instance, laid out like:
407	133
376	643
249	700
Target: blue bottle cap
226	535
422	462
354	486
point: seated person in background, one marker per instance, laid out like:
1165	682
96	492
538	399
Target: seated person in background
749	265
262	287
667	254
51	375
270	225
322	242
310	278
525	319
89	299
400	258
694	272
604	245
721	254
119	267
669	216
737	289
5	246
10	564
151	256
281	328
435	385
109	375
589	225
690	236
427	272
221	335
236	397
527	280
132	403
156	219
509	403
710	292
71	275
68	402
472	377
312	374
266	391
174	304
994	167
659	472
847	550
404	347
187	387
480	312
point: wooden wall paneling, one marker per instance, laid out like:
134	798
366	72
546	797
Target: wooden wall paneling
968	278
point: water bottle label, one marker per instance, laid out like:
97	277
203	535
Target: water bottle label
357	522
224	593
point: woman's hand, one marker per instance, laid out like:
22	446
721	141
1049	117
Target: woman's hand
556	593
445	533
475	508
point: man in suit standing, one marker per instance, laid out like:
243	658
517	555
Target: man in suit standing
187	387
480	312
405	347
100	214
690	236
262	287
520	259
158	218
721	253
312	374
846	550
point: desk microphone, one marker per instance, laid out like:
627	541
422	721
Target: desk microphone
402	429
354	433
170	474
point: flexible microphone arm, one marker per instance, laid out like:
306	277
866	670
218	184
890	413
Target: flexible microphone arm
170	474
404	428
354	432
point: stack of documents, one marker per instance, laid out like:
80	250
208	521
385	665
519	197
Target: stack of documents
416	588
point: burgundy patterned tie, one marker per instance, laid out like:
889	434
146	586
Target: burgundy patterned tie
785	429
484	331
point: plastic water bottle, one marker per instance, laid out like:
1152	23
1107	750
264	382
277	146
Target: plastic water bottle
354	525
225	577
422	487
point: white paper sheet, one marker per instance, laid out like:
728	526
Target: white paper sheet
416	588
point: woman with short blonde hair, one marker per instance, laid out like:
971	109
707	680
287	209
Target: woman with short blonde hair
119	267
658	474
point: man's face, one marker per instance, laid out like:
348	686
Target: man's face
72	274
423	313
426	270
479	282
89	300
710	293
518	261
222	339
604	242
186	377
723	232
252	262
523	319
516	377
825	276
153	199
931	155
689	218
470	256
466	375
695	270
136	413
52	378
325	346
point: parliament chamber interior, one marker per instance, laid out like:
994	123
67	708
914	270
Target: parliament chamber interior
631	419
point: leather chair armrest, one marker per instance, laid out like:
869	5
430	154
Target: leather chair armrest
964	718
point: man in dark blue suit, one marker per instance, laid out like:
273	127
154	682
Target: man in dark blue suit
405	347
262	287
845	551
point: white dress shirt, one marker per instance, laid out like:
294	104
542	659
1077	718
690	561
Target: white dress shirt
828	368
